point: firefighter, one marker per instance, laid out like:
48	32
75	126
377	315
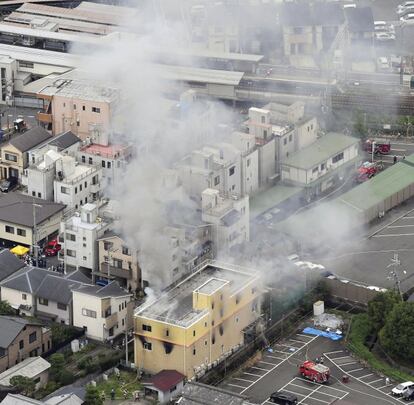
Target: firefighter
321	360
395	159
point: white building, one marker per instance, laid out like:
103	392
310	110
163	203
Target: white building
76	184
321	165
229	216
217	167
104	312
80	233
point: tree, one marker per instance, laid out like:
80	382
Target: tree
397	335
24	384
57	362
359	128
6	309
380	307
66	377
92	396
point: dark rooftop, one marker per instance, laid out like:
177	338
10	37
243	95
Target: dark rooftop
64	140
10	327
57	289
17	208
360	19
231	217
166	379
30	139
110	290
9	264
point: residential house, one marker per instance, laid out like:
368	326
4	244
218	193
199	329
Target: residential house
199	322
217	167
73	102
79	237
27	220
321	165
15	153
21	338
164	386
67	399
9	264
117	261
229	217
42	293
104	312
35	368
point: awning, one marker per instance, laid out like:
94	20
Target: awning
19	250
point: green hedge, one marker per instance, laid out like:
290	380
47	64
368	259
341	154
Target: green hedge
361	328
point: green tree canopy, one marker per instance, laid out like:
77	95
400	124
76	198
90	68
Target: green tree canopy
92	396
6	309
397	336
381	306
24	384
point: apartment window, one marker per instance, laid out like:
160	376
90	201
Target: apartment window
194	351
90	161
108	165
212	305
10	157
237	319
32	337
24	297
34	193
290	138
125	251
285	141
89	313
86	184
84	245
322	166
263	119
265	134
21	232
96	109
117	263
315	169
147	328
63	307
216	180
232	170
103	163
83	108
64	190
147	346
205	343
29	65
78	123
70	253
167	332
71	236
119	307
193	332
43	301
76	190
64	104
248	163
84	258
338	157
9	229
21	344
80	187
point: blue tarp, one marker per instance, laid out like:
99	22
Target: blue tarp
317	332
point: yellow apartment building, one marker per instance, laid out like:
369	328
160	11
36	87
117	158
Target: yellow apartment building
197	323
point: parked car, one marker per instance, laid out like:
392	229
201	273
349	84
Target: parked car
408	18
8	184
52	248
409	394
283	398
402	388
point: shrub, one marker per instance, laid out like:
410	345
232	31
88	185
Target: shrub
66	377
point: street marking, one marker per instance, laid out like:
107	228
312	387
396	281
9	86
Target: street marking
241	379
279	351
337	351
342	357
258	368
300	402
395	234
373	382
297	341
400	226
317	384
351	362
273	357
266	362
364	376
234	385
255	375
306	336
352	371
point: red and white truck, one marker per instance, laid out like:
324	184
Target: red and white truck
315	372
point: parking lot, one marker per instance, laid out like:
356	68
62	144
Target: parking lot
277	369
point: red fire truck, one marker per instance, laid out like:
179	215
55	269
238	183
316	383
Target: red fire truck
380	146
368	170
314	372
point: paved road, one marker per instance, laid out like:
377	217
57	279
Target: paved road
278	369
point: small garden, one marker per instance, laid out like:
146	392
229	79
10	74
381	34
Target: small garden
384	336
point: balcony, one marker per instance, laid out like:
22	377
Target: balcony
115	271
95	187
111	320
45	118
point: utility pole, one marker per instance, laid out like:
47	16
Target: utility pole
35	241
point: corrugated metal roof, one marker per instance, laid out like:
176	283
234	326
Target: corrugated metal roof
31	367
382	186
324	148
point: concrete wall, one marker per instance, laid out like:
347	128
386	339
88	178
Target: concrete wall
17	298
349	291
306	133
267	163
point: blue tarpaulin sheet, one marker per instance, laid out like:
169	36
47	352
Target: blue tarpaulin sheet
317	332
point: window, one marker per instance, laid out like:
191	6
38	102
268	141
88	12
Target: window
78	123
84	258
64	190
231	170
103	163
29	65
70	253
63	307
298	30
147	346
43	301
322	166
216	180
146	328
32	337
76	190
315	169
34	193
96	109
90	160
117	263
71	236
263	119
10	157
80	187
108	165
167	332
193	332
285	141
86	184
21	344
83	108
2	352
248	163
84	245
194	351
24	297
290	138
338	157
89	313
9	229
205	343
125	251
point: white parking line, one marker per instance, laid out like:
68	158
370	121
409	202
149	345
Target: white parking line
234	385
273	357
317	384
289	346
394	234
297	341
258	368
342	357
241	379
379	379
279	351
364	376
266	362
306	336
300	402
351	371
348	364
255	375
289	355
337	351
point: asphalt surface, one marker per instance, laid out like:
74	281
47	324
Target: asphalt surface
278	370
